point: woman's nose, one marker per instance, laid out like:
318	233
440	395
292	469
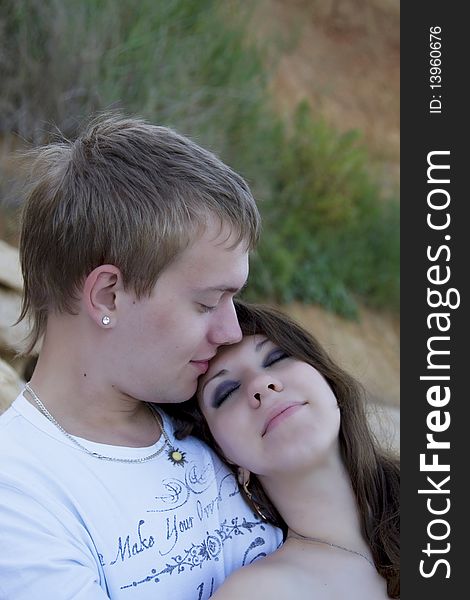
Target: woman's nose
262	388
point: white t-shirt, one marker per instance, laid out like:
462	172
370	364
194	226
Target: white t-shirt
76	527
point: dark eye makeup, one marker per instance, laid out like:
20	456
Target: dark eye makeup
274	356
223	391
226	388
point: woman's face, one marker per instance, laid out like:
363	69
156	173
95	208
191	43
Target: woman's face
267	411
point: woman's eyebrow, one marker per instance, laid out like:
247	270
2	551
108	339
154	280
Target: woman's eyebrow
258	347
221	372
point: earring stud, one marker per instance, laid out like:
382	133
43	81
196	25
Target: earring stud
106	320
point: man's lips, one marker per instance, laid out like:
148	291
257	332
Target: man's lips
201	365
279	413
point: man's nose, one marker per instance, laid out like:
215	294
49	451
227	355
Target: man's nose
226	329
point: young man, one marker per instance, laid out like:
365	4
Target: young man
134	242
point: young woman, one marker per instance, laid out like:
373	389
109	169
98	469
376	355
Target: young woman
291	424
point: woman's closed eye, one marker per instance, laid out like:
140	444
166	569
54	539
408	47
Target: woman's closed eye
274	356
223	391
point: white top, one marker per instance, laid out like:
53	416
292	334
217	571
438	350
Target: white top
76	527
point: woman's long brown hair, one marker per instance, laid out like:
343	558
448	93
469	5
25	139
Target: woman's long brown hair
375	475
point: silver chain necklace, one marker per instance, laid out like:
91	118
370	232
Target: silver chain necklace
299	537
50	418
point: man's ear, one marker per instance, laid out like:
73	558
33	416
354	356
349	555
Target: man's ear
243	476
99	294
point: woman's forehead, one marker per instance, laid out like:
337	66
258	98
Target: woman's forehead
247	342
226	353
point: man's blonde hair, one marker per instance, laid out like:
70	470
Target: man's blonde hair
126	193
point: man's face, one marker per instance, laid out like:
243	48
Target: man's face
171	335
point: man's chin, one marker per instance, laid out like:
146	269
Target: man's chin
181	395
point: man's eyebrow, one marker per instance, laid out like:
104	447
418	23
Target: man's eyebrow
223	288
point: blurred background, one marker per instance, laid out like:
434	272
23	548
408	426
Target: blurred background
300	96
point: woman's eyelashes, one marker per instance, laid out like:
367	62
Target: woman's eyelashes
223	391
274	356
226	388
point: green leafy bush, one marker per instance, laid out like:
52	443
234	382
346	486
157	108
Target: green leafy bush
328	236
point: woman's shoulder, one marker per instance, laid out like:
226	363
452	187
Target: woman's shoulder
270	577
282	576
259	580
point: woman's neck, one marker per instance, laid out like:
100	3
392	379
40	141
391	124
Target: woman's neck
320	504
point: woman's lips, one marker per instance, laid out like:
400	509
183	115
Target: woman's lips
280	415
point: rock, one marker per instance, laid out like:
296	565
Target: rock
385	424
10	271
11	336
10	385
368	349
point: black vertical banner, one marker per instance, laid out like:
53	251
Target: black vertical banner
435	250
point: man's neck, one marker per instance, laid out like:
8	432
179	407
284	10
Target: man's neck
85	406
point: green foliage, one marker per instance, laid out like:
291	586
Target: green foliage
328	236
335	237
